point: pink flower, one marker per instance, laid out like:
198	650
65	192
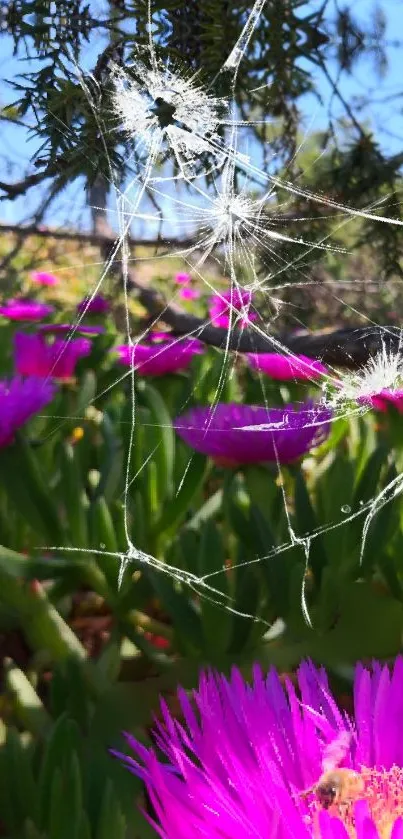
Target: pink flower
189	294
284	367
96	305
386	397
239	300
183	279
34	356
244	760
25	310
156	358
20	399
44	279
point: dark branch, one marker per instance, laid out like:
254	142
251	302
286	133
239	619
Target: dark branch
350	347
92	238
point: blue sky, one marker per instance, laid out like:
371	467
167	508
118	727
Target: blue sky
387	118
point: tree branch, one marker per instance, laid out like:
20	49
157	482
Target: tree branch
350	347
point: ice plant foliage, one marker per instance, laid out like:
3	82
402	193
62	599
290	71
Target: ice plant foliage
160	355
286	367
20	399
271	759
25	310
239	434
34	356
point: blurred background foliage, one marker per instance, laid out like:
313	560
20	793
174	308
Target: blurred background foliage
82	657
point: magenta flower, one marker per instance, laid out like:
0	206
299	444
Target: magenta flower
156	358
189	294
286	367
20	399
66	328
34	356
236	434
183	278
96	305
246	760
25	310
386	397
43	278
239	300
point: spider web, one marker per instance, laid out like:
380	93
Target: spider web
168	113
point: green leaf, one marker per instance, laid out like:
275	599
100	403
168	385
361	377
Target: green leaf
69	692
208	510
20	780
176	602
64	740
193	478
111	819
369	626
29	708
216	620
307	523
28	492
368	482
103	537
164	454
65	801
245	604
74	496
113	462
87	392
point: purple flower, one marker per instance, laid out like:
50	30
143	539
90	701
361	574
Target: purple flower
236	434
43	278
53	328
34	356
285	367
239	300
25	310
96	305
19	400
244	761
159	357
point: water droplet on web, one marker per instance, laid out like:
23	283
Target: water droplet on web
102	546
346	508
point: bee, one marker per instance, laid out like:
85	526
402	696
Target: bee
337	785
340	786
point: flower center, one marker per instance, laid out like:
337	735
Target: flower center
381	789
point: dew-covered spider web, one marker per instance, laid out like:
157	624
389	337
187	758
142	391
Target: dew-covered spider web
193	160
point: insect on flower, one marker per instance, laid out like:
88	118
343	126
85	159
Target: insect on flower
337	785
